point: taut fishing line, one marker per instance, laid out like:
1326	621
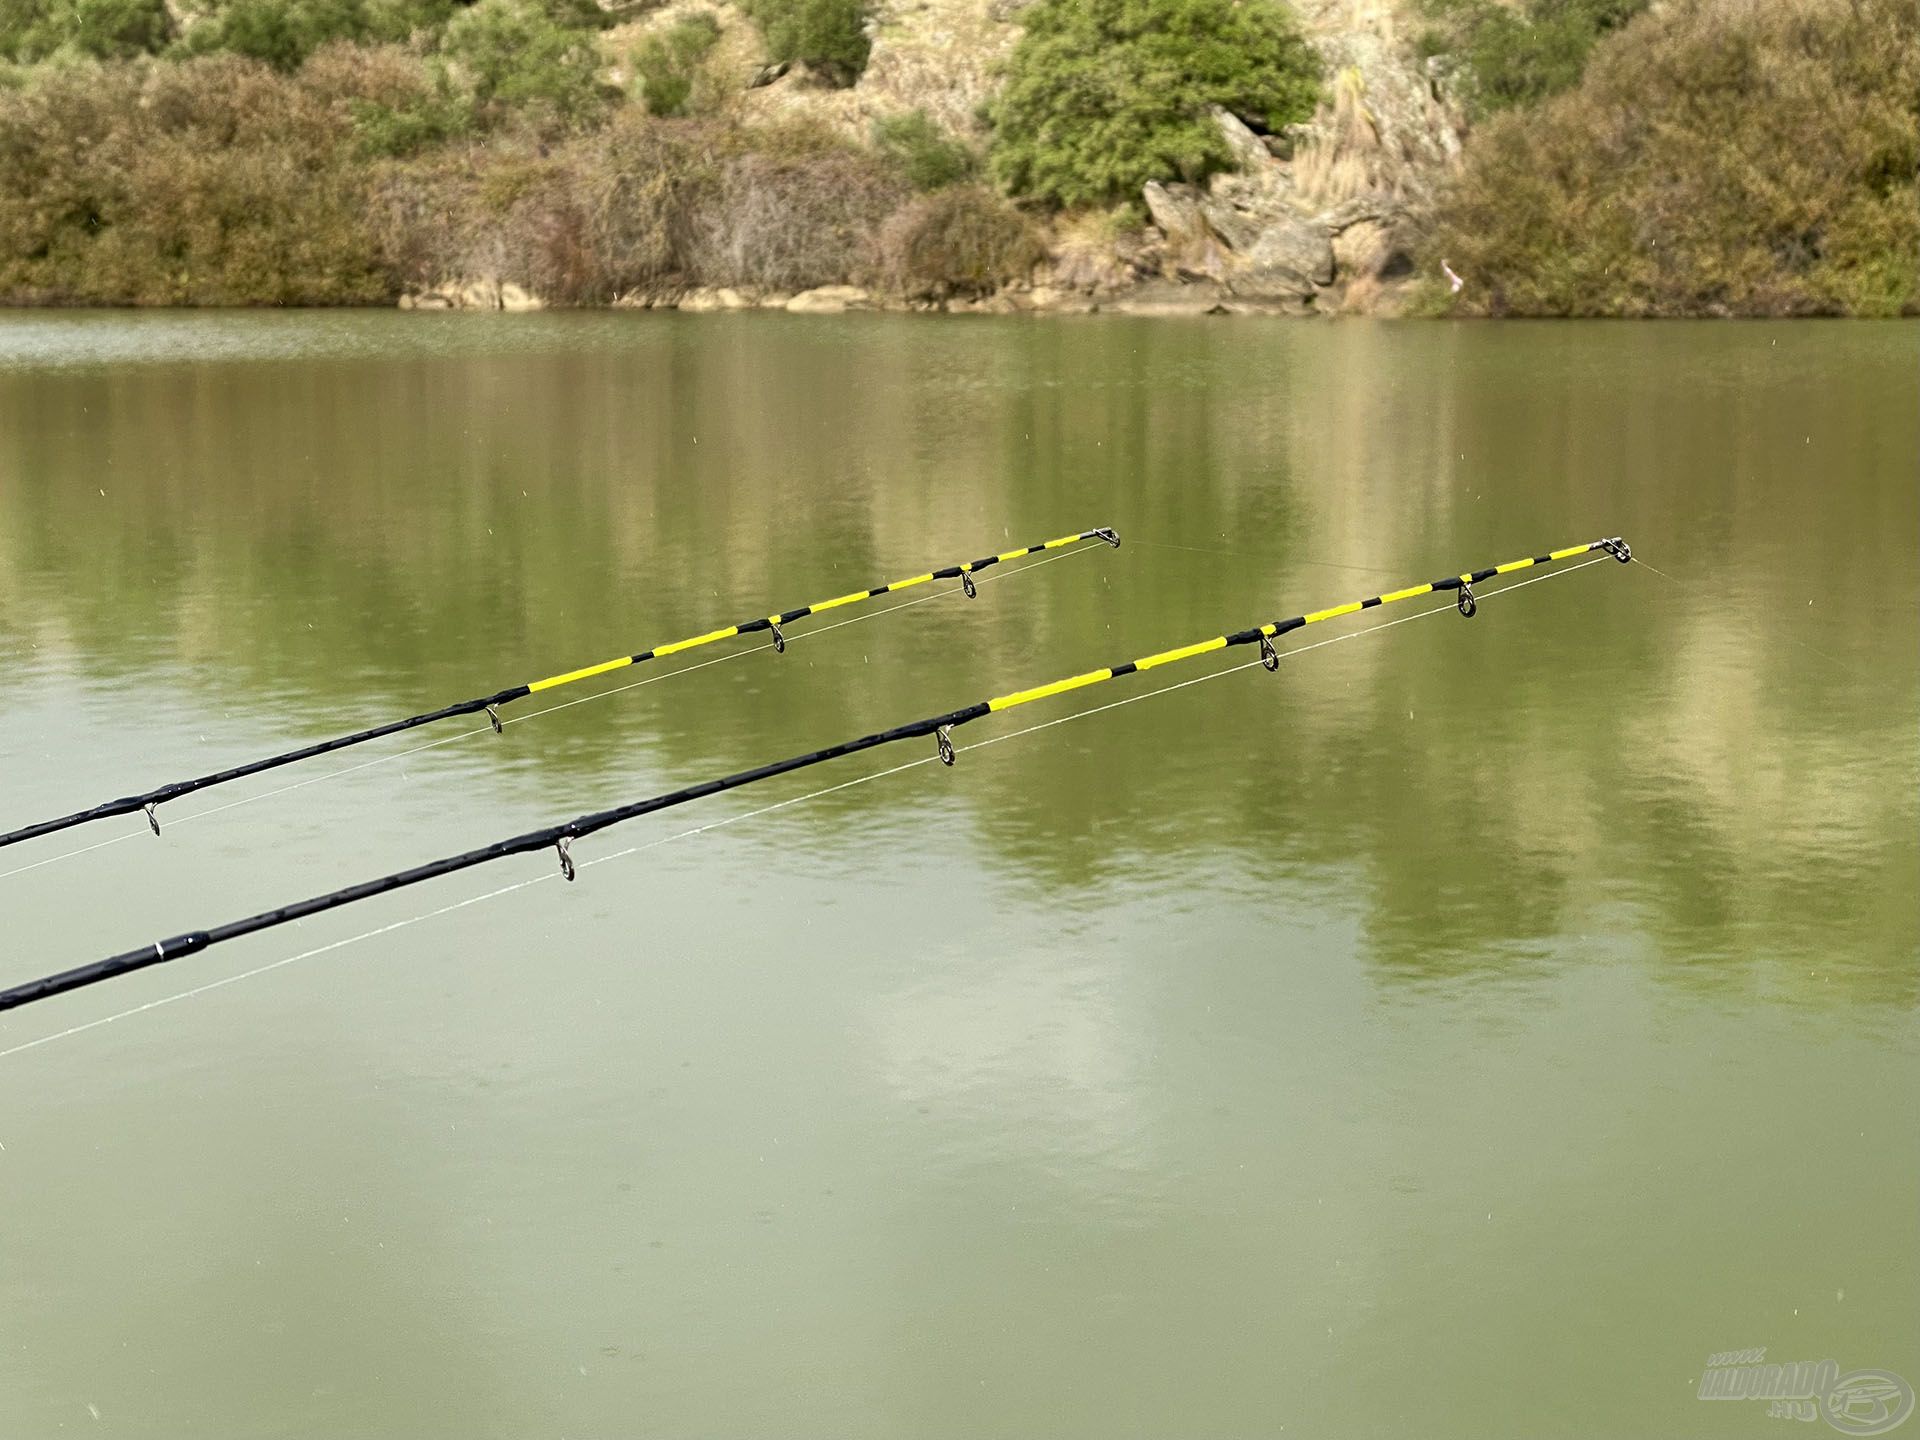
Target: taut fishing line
148	802
939	727
979	579
631	850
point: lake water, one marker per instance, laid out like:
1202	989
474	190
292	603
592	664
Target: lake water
1464	1031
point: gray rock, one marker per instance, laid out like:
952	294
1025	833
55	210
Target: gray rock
1239	230
1369	250
1175	209
1375	205
1249	150
1170	297
1292	256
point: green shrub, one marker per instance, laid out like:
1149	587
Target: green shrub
579	14
32	30
1516	57
399	21
397	101
282	33
1102	96
212	182
668	62
513	55
964	241
1740	157
828	36
929	157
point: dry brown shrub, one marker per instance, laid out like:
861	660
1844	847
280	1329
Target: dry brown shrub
577	224
1722	157
794	215
341	72
964	241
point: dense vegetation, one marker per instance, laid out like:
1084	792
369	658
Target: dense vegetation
1505	56
670	64
1710	156
369	171
1741	157
829	37
1102	96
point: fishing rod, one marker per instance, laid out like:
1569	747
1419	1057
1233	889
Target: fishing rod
149	800
560	838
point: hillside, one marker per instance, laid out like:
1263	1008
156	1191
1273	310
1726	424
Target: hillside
1149	156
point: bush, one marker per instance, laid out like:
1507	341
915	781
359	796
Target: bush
396	101
1102	96
929	157
211	182
514	55
580	223
828	36
963	241
668	62
282	33
1516	57
796	211
1746	157
32	30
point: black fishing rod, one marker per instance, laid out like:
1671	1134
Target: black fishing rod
561	837
149	800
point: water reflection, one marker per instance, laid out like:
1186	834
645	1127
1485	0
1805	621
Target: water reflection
1161	1070
412	512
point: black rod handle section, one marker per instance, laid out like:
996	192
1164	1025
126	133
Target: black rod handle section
165	950
543	839
131	804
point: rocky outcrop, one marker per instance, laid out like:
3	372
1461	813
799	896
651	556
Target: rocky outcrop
1319	219
720	298
1260	240
1322	218
486	294
829	300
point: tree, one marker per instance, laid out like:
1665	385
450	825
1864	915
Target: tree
1102	96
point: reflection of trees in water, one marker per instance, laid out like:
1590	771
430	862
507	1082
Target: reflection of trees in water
356	539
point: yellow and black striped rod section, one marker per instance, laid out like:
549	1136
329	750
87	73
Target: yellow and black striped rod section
159	795
1462	584
560	837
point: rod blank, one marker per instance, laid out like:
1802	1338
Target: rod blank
159	795
560	837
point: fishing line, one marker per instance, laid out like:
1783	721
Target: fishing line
147	802
725	821
794	639
940	727
982	579
1270	559
1693	587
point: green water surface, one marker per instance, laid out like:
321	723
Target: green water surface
1462	1032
